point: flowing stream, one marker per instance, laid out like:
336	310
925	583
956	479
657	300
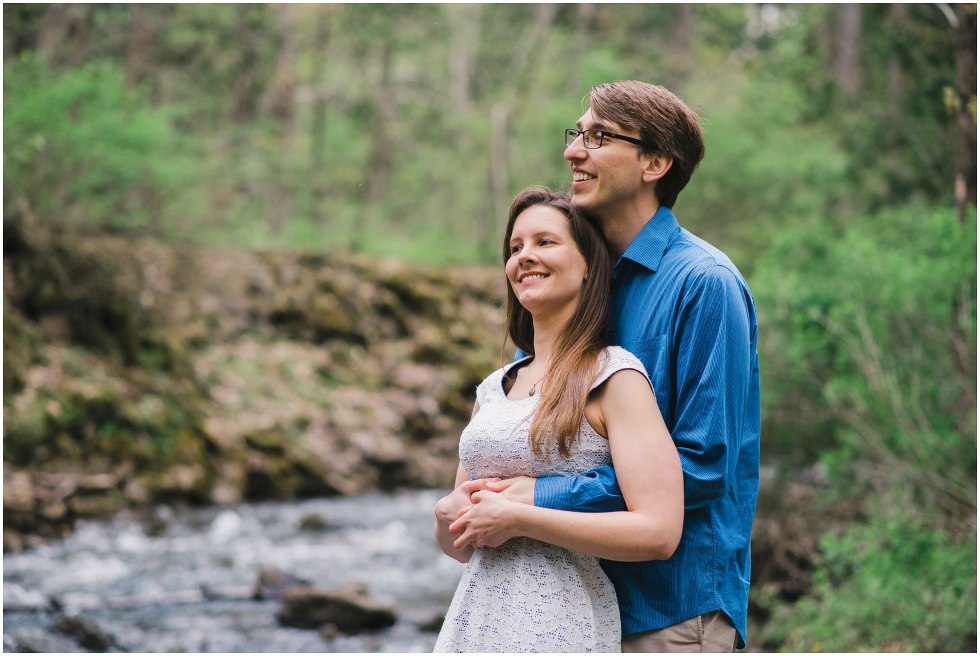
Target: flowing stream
182	581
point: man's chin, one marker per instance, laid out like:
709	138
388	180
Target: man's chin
582	202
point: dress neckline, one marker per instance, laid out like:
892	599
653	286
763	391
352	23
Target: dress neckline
518	364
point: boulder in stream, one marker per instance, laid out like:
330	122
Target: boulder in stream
349	609
86	632
272	582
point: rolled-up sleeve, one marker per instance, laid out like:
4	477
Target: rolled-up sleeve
594	491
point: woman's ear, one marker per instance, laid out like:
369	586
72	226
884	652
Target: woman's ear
657	166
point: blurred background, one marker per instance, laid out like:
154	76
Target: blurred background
250	258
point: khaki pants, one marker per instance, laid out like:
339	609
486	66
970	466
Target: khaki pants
712	632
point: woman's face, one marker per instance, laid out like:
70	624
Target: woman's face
545	269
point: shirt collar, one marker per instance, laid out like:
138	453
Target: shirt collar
648	247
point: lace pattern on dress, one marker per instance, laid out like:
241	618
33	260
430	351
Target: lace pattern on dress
528	596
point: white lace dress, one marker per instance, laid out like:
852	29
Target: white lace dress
528	596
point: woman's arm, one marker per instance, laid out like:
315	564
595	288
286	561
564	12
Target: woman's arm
447	509
450	506
649	473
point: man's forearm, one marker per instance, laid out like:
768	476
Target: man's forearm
594	491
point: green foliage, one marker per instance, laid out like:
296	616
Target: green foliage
98	410
766	168
868	357
886	586
370	126
868	350
895	126
82	151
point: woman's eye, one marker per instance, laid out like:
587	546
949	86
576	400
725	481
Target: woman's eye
515	249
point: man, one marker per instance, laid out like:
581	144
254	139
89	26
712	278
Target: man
683	308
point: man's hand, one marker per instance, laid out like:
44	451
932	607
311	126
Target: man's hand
519	489
451	506
489	522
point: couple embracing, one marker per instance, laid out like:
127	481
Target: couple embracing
608	476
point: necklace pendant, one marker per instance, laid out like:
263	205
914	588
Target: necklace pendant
530	392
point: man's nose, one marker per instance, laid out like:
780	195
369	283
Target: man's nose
576	149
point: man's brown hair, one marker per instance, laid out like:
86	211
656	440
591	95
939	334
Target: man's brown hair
666	125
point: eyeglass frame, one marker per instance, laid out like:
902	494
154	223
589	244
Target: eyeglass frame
602	134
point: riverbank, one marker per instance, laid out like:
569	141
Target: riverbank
137	374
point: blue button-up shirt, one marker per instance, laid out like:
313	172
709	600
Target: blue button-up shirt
682	307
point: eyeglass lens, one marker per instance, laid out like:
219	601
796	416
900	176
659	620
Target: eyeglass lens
590	138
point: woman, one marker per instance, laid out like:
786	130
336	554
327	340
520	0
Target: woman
572	405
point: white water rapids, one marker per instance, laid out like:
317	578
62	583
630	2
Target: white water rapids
181	581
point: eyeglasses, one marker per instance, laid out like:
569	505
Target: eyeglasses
593	138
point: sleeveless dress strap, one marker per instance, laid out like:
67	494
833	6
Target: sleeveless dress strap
616	358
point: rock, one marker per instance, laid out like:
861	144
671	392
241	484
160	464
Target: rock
35	640
86	633
313	523
349	609
433	624
13	540
95	505
96	483
272	582
329	632
18	492
157	521
225	593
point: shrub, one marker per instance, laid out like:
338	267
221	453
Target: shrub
84	152
868	357
887	586
868	350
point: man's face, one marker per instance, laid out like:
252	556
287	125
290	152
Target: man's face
607	178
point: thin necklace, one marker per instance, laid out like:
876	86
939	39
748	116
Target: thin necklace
534	385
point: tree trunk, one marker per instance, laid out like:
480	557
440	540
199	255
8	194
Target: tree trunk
244	92
499	181
63	36
465	22
384	114
499	171
966	117
847	49
143	27
279	100
584	27
681	38
318	124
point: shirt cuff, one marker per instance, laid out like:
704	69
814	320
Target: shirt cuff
552	492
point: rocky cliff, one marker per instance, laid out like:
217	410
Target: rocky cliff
138	373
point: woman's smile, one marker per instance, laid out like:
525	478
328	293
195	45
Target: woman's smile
542	250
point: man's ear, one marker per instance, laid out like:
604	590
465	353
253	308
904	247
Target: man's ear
657	166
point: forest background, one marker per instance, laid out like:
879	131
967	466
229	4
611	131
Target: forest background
840	177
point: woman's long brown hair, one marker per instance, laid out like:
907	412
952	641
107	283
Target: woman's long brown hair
575	355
